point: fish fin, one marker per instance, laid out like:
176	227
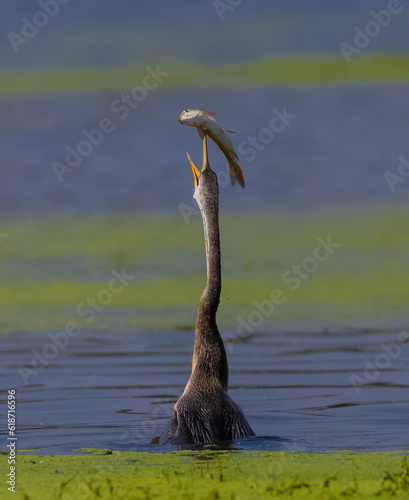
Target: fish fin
240	178
229	131
201	132
236	174
208	114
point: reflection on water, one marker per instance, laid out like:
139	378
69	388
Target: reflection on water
117	391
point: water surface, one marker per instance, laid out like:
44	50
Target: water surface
105	390
334	151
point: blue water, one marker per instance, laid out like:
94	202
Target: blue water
334	152
118	391
102	32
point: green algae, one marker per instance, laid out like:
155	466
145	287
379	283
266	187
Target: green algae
206	475
50	267
375	68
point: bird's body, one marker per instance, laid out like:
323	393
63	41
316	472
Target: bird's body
207	125
205	413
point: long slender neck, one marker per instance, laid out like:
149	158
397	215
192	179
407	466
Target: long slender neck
209	301
209	355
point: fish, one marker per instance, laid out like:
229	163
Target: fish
207	125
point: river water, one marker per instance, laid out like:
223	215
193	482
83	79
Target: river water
333	149
301	391
315	391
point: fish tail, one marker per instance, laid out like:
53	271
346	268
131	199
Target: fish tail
236	174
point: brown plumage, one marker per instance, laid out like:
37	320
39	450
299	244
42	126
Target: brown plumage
205	413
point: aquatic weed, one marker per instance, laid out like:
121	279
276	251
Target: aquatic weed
397	482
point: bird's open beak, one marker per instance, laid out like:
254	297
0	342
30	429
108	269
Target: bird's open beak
195	171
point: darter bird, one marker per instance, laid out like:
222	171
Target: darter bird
205	413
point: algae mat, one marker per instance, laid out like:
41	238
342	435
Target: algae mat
60	270
210	475
373	69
